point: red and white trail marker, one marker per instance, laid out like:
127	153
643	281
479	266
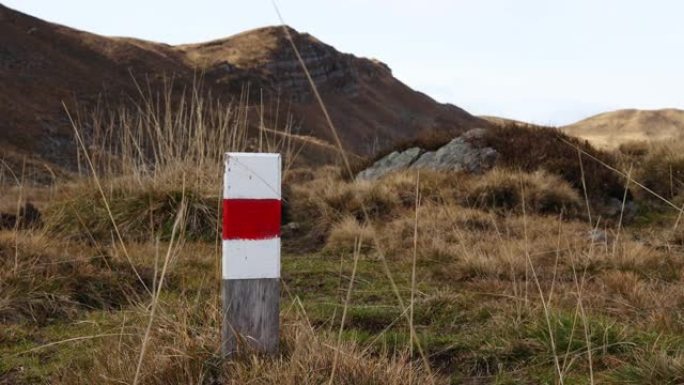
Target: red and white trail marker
251	252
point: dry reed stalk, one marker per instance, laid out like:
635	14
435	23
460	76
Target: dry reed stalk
413	273
348	168
155	299
347	300
622	211
547	315
106	202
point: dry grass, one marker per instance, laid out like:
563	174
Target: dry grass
43	280
507	282
532	148
477	308
139	212
659	166
186	354
540	192
517	235
345	234
316	204
325	207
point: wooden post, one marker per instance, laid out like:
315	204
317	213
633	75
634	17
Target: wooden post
251	253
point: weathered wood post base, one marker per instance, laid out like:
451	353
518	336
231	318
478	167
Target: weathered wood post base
251	320
250	285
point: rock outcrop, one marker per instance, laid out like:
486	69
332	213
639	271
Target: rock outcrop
463	153
266	58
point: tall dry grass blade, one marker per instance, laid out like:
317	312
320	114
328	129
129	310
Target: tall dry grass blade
580	288
297	303
679	218
622	211
18	216
580	312
566	361
545	306
376	338
413	273
105	201
348	168
347	299
557	260
64	341
584	185
180	218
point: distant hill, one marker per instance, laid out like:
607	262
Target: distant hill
610	129
499	121
43	64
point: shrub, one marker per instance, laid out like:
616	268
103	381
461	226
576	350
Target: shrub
636	148
316	205
138	213
541	192
41	282
345	234
532	148
435	186
661	170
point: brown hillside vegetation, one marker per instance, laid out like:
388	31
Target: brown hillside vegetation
450	278
43	64
611	129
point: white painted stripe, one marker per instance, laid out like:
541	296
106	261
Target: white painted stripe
251	259
252	176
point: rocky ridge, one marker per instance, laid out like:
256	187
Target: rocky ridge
277	66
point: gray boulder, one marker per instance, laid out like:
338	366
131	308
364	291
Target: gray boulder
392	162
464	153
459	155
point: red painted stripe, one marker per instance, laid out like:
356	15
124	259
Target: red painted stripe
251	218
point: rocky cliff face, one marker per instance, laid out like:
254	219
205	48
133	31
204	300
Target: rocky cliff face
327	69
278	67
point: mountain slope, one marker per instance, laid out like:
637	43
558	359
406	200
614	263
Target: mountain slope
43	64
611	129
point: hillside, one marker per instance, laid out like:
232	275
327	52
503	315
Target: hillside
43	64
499	121
610	129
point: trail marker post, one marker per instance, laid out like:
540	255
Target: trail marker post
251	253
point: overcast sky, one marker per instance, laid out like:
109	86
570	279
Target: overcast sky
544	61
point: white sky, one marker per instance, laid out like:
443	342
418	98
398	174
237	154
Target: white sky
544	61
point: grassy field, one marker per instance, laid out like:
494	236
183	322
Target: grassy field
521	275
